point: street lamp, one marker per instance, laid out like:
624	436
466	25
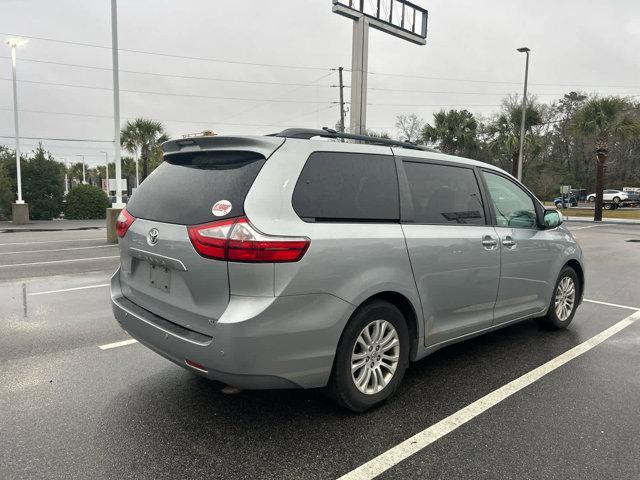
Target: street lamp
106	163
14	43
524	110
66	177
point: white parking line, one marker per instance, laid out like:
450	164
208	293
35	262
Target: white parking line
69	289
117	344
610	304
588	226
55	241
59	249
58	261
423	439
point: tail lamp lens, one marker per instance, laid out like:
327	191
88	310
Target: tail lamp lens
124	221
237	240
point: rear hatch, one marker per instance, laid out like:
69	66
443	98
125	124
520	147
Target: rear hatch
201	180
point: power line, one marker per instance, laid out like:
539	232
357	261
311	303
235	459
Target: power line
306	67
169	75
453	92
499	82
60	139
168	120
171	55
187	95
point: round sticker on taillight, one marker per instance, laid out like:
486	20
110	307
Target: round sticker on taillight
221	208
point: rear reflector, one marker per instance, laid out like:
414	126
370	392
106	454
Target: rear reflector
124	221
237	240
196	365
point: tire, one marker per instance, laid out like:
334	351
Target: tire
616	200
608	206
342	385
591	199
558	205
555	318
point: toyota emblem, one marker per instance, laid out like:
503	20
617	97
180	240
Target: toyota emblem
152	236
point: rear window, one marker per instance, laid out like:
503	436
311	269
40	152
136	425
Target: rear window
344	187
198	187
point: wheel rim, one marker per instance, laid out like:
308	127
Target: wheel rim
375	357
565	298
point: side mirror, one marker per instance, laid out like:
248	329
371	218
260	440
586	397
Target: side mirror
552	218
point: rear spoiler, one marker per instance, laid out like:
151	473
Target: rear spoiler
265	146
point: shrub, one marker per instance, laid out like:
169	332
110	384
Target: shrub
86	202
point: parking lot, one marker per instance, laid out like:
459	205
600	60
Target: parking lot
78	401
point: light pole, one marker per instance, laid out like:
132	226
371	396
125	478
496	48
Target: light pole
135	155
524	110
106	164
14	43
66	177
116	103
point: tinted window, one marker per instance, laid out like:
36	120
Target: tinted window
444	194
185	187
513	206
347	187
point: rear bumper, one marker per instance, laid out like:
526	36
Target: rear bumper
258	343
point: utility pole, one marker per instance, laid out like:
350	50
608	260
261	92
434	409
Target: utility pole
106	165
84	177
524	111
341	99
116	103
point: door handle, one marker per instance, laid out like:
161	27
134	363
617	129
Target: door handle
489	242
509	242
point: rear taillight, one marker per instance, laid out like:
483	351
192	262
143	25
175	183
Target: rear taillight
237	240
124	221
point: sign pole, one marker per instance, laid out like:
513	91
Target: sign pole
359	65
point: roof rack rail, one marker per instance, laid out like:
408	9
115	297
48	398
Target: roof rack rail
308	133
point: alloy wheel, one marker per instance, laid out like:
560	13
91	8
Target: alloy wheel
375	357
565	298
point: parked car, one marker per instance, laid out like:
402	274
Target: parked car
615	196
288	262
570	201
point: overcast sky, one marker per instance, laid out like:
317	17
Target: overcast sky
576	44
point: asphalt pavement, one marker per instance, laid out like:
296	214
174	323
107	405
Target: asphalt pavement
71	409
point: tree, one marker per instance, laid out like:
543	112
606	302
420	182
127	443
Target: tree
381	134
503	131
409	127
6	193
605	120
145	136
43	185
455	132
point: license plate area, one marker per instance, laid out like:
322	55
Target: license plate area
160	278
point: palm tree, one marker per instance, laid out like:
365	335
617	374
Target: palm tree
145	136
503	131
605	120
454	131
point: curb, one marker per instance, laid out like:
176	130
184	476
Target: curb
40	229
603	222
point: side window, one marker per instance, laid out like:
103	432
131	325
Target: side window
444	194
513	207
346	187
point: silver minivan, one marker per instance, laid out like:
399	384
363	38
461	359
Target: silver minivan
300	261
